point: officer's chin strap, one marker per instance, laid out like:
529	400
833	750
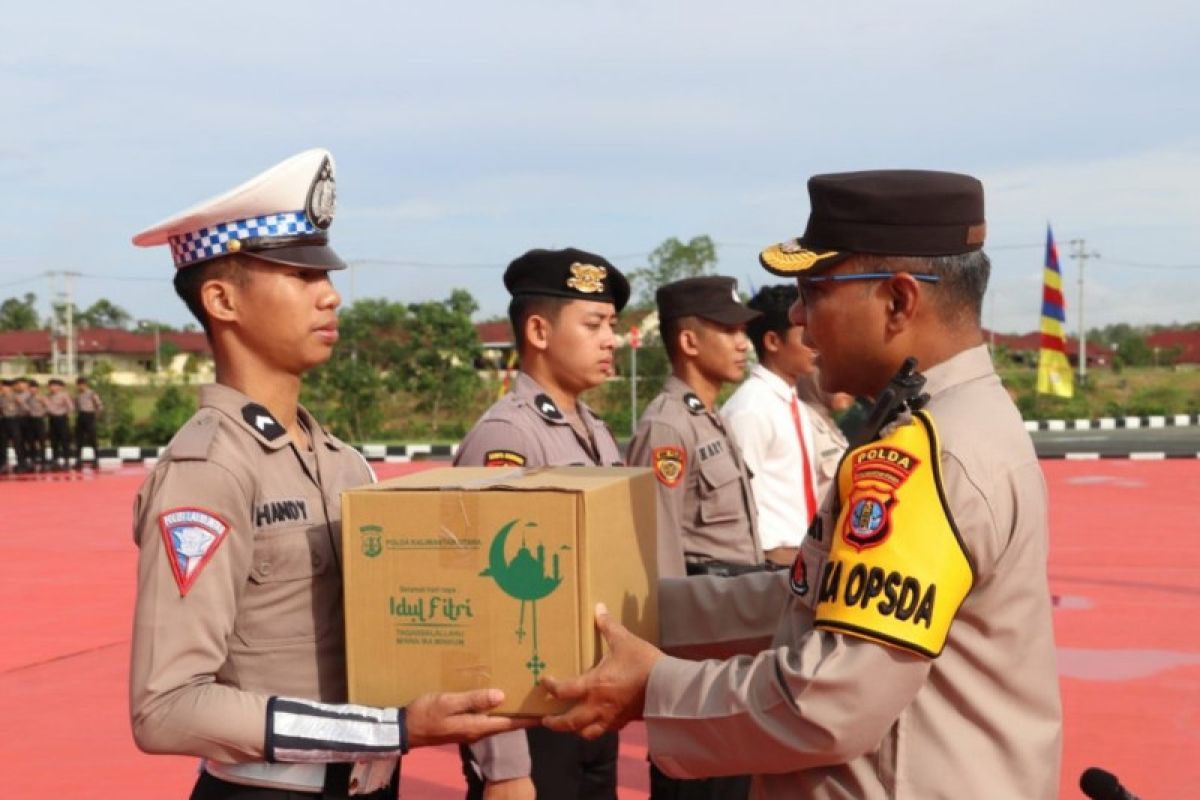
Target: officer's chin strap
903	393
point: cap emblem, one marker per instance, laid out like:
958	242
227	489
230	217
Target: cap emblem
790	257
322	196
587	278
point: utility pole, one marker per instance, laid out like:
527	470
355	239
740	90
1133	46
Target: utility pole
1081	253
68	299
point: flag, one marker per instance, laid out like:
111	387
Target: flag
1054	370
508	371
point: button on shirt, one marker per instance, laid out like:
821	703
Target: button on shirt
759	418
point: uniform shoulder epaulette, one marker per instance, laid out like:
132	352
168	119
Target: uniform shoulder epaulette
194	440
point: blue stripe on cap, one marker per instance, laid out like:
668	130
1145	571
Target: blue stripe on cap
206	243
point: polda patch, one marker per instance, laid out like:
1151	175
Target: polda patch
191	536
669	464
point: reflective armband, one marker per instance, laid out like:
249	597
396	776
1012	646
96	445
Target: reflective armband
898	570
305	731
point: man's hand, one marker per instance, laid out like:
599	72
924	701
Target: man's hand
454	717
514	789
612	693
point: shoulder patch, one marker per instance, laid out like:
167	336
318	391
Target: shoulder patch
546	407
897	571
669	465
694	403
191	536
503	458
260	419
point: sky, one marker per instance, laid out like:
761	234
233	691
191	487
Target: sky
466	133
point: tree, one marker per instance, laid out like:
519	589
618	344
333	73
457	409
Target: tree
103	314
19	314
674	260
442	348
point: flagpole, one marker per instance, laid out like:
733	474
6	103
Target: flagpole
1082	256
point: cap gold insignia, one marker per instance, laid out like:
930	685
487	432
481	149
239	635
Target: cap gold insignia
791	257
587	278
234	245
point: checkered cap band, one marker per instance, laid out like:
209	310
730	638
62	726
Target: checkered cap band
206	243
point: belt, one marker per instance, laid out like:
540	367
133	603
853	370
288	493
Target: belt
729	569
292	777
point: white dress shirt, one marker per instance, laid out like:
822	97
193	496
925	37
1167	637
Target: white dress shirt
759	419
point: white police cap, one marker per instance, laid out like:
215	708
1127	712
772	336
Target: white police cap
281	215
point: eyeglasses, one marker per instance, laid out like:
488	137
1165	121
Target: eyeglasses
816	280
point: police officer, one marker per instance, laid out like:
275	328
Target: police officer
58	409
707	516
916	658
35	426
238	643
10	435
21	426
707	522
88	405
563	312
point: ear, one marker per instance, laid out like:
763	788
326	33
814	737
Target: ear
903	295
220	300
537	332
772	341
689	342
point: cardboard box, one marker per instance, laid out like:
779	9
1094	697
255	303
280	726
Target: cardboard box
471	577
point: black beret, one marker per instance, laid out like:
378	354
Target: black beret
883	212
571	273
711	297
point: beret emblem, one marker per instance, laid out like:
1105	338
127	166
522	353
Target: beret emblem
587	278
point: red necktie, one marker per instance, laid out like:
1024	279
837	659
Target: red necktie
810	495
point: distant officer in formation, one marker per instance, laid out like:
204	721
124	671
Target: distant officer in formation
707	522
916	657
238	640
58	409
10	428
563	312
774	429
35	426
829	440
87	406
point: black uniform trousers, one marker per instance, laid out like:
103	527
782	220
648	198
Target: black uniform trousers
35	439
564	766
85	435
8	438
60	438
337	779
731	787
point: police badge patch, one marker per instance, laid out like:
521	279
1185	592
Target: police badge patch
669	463
191	536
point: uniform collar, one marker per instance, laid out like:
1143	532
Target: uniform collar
965	366
778	386
529	390
675	387
255	419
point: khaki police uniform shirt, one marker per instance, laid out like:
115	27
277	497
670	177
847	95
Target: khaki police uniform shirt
706	510
36	405
59	404
830	715
10	405
262	614
526	429
22	400
89	402
830	444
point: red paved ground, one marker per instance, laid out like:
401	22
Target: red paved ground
1125	562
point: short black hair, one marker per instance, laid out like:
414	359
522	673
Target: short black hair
524	306
81	380
189	280
774	303
669	330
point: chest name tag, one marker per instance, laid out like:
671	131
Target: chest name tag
897	571
278	512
